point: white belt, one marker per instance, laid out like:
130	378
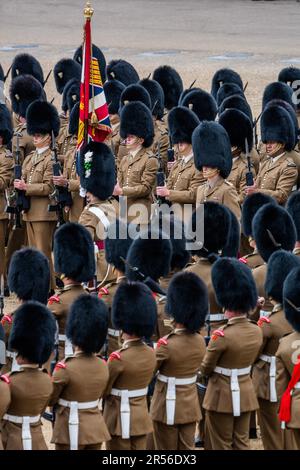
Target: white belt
171	393
234	385
13	355
272	375
68	345
297	385
216	317
26	421
115	333
74	418
125	406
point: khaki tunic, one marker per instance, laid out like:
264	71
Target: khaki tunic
81	378
6	177
277	179
31	389
161	141
4	401
183	182
259	275
73	182
60	305
238	348
131	369
63	131
137	178
286	357
223	192
272	332
37	172
180	358
25	142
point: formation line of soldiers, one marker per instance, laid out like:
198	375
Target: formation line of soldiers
197	321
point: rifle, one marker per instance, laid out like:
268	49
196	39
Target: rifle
61	194
171	157
249	175
2	334
147	280
160	175
255	131
22	202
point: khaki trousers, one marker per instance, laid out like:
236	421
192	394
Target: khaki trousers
40	236
175	437
271	432
16	240
223	431
133	443
86	447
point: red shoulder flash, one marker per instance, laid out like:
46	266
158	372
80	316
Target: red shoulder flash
243	260
102	291
162	342
60	365
5	379
54	299
217	334
154	295
263	320
115	355
6	319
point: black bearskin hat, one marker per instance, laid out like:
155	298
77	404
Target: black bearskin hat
23	91
26	64
42	118
123	71
97	54
277	126
280	264
291	298
64	70
251	204
171	83
113	90
293	208
6	129
223	76
156	95
238	127
182	122
117	244
136	119
202	103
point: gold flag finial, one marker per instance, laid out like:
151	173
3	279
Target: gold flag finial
88	10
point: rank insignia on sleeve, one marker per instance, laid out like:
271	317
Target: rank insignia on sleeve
60	365
102	291
243	260
6	319
5	379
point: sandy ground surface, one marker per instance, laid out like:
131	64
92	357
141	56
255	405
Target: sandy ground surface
257	38
197	37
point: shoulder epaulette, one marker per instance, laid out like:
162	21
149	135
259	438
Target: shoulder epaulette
103	291
263	320
243	260
115	356
6	319
54	299
60	365
217	334
5	379
162	342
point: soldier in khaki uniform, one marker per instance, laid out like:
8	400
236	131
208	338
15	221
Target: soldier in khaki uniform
212	154
66	141
278	174
79	381
28	279
133	92
175	408
161	138
97	177
293	208
249	208
216	225
24	90
6	176
37	179
184	179
273	327
117	244
137	171
70	179
32	337
273	229
287	364
130	368
74	261
4	399
239	129
232	350
64	70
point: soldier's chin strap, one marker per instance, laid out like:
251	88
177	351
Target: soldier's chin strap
277	245
147	280
293	305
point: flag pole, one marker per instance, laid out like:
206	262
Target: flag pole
87	13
